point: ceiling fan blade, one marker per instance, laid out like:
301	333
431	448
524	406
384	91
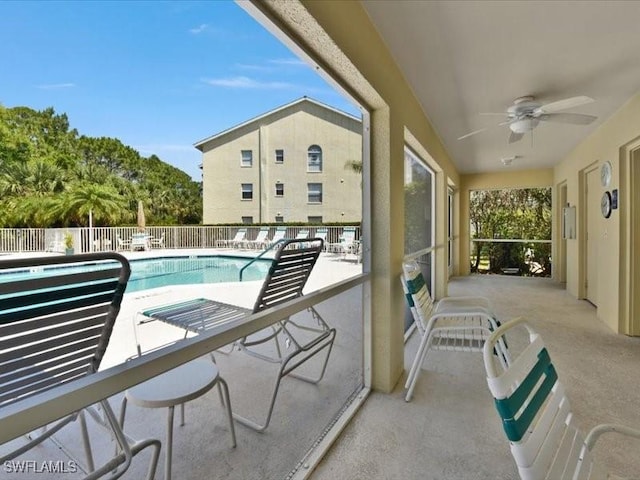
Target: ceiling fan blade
514	137
563	105
471	133
571	118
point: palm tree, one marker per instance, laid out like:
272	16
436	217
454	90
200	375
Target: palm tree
354	165
103	201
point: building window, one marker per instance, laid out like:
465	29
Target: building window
314	159
247	158
314	192
279	189
279	219
247	220
315	219
247	191
279	156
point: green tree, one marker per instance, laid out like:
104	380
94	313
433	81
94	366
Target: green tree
504	214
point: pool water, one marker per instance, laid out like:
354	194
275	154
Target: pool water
161	272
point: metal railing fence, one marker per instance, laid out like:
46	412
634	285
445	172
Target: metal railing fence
85	239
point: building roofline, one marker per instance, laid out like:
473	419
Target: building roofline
271	112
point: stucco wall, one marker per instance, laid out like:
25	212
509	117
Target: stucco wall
606	143
293	130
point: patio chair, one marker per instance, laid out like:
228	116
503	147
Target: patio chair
454	323
261	239
54	330
536	416
278	236
158	242
347	243
122	244
287	276
322	234
235	242
302	234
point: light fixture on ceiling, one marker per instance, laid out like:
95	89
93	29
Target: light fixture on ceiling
524	125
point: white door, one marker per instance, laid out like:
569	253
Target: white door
592	204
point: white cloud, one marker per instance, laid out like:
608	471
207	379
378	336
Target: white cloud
247	83
199	29
55	86
289	61
258	68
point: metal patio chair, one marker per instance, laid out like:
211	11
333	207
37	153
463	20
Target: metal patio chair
287	276
536	416
55	325
454	323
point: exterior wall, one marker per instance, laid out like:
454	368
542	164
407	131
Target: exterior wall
608	142
293	130
491	181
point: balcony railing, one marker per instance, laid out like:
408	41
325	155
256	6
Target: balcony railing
510	256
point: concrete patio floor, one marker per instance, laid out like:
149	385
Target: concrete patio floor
450	429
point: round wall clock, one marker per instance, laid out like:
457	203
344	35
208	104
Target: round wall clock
605	174
605	204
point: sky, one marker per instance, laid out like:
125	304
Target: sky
159	76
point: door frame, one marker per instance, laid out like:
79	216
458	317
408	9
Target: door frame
629	303
582	229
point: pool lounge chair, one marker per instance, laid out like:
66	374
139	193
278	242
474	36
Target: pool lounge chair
260	241
536	416
287	276
347	242
454	323
235	242
278	236
54	330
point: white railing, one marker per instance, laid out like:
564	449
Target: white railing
87	239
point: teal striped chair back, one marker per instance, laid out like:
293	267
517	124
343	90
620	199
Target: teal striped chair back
535	412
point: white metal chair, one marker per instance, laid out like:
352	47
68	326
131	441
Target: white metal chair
454	323
54	330
536	416
158	242
122	244
287	276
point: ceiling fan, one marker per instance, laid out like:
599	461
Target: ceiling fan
526	113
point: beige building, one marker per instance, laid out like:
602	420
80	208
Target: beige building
288	165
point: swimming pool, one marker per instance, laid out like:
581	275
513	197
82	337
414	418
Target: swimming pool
160	272
166	271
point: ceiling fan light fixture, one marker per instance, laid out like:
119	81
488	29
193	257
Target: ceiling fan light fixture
524	125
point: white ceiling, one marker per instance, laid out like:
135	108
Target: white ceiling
466	57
